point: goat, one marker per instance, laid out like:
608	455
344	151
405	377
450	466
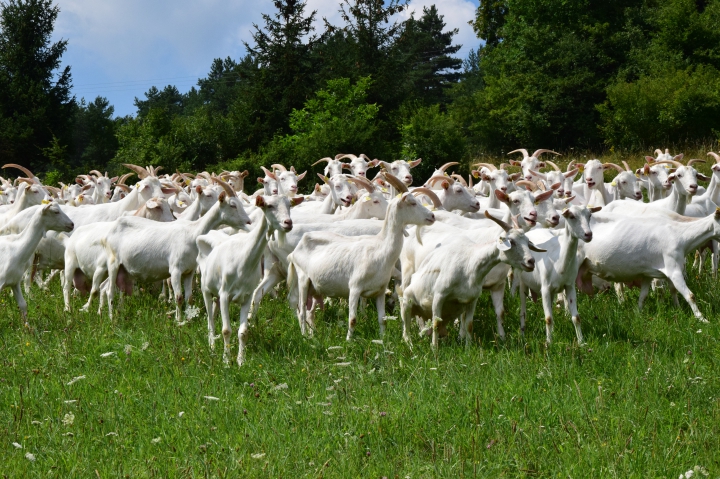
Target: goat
230	271
361	266
139	249
530	162
557	268
449	281
557	177
288	180
401	169
17	250
359	164
453	195
334	166
632	248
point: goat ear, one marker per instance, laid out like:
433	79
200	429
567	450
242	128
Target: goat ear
514	162
566	212
152	203
571	173
345	166
502	196
324	178
296	200
113	179
543	196
649	159
580	166
515	176
445	185
717	212
261	180
414	163
595	209
541	164
198	189
535	248
702	177
301	175
222	196
373	163
679	157
503	244
259	201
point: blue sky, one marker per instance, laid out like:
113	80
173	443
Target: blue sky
120	48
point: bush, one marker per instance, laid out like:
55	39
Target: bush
672	107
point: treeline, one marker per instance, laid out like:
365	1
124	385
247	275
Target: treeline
586	74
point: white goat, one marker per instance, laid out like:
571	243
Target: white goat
530	162
557	268
288	179
230	270
639	248
17	250
448	283
334	265
359	164
401	169
139	249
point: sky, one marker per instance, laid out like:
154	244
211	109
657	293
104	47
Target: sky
120	48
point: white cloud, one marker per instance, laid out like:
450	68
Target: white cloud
457	14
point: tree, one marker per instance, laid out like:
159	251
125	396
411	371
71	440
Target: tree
169	99
94	141
282	80
35	103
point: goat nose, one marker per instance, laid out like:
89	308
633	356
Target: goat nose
288	223
588	236
531	262
555	219
503	189
408	178
361	173
529	177
533	214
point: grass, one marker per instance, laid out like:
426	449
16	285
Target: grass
640	400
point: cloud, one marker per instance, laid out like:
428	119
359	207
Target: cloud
457	14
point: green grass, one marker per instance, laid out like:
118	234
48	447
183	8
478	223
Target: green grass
641	399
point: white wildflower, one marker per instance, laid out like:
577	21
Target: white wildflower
68	419
36	422
17	445
111	434
108	354
343	365
258	455
75	379
30	457
144	346
128	349
70	401
211	398
69	434
699	331
181	413
377	341
281	386
191	312
332	348
390	318
156	440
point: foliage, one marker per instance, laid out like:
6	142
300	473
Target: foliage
36	105
432	135
670	107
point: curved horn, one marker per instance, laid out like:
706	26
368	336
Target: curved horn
613	165
328	159
123	187
21	168
690	163
430	194
542	150
395	182
347	155
448	165
29	181
669	162
658	151
228	189
555	167
460	179
141	172
363	182
96	173
569	166
715	155
520	150
541	186
627	167
532	186
487	165
278	166
434	179
499	222
268	173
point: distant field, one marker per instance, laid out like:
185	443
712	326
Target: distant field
641	399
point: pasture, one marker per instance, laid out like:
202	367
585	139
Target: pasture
138	396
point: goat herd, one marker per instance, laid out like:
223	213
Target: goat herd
443	243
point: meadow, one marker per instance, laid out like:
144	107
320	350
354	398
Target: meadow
137	396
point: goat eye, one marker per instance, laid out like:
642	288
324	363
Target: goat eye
516	201
512	242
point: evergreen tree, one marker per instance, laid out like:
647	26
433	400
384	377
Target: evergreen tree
36	106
